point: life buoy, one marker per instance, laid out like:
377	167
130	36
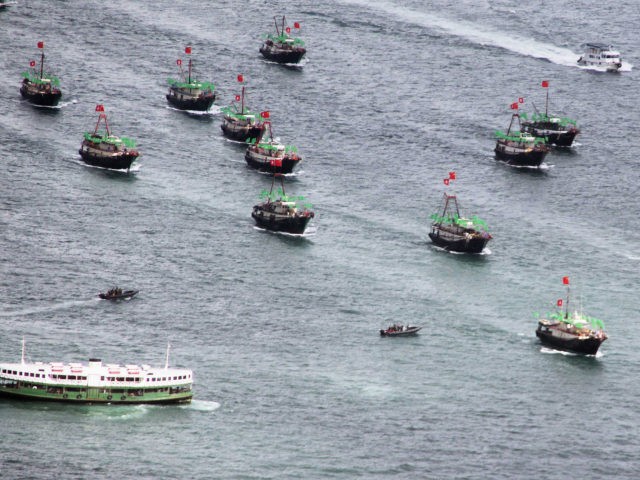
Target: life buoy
123	397
79	396
65	396
109	397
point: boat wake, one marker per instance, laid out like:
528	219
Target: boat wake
202	406
626	67
309	232
6	312
214	110
475	33
135	167
553	351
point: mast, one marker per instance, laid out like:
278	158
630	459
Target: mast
242	106
23	349
166	363
189	70
42	65
566	308
546	106
275	20
106	124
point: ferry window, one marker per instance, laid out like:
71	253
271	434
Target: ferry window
164	379
175	378
120	379
62	377
38	375
129	379
32	374
102	378
82	378
15	372
71	377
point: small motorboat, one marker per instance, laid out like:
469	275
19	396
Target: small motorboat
40	88
399	330
102	149
188	93
601	56
281	47
118	294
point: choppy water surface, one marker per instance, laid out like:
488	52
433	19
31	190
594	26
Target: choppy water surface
292	378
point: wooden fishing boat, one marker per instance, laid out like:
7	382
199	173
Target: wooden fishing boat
188	93
455	233
557	131
95	382
102	149
38	87
281	47
239	123
268	155
571	331
519	148
282	213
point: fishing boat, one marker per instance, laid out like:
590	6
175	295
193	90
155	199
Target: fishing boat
238	122
519	148
102	149
266	154
399	330
280	212
188	93
281	47
95	382
555	130
38	87
117	293
571	331
455	233
601	55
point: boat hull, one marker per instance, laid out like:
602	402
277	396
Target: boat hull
282	55
559	138
113	162
586	346
83	397
240	134
400	333
521	158
459	244
280	223
43	99
124	295
263	163
200	104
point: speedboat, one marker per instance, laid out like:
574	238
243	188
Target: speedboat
399	330
118	294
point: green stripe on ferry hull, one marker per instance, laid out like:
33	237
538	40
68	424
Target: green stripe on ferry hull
116	396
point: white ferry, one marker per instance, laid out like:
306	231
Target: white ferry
95	382
602	56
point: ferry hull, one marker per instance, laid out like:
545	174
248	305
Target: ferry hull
280	223
462	245
120	162
41	395
43	99
588	346
263	164
532	158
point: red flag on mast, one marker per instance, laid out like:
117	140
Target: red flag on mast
452	175
514	106
40	44
559	302
446	181
296	24
545	83
565	280
187	50
521	100
179	62
32	63
99	108
240	78
237	98
288	30
264	114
